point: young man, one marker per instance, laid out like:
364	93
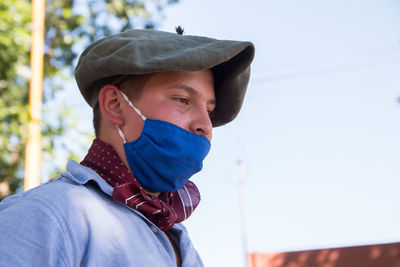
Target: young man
156	97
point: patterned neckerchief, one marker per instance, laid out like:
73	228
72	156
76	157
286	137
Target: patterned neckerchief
164	211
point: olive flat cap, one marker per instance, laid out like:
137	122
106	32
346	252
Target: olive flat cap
136	52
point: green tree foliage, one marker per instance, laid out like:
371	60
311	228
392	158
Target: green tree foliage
70	25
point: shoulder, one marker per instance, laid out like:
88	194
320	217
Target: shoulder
33	231
52	225
76	189
67	203
45	197
53	197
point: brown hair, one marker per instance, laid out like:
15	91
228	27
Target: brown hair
132	86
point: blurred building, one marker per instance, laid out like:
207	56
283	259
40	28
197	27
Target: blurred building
380	255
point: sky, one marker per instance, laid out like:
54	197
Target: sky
317	134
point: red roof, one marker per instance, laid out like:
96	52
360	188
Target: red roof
380	255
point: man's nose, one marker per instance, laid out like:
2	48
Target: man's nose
202	124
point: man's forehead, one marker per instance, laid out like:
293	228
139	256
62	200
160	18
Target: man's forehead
199	83
193	91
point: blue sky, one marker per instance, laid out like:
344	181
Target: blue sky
318	133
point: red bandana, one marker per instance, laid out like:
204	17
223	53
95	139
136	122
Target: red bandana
164	211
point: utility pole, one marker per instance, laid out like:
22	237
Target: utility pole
242	210
33	150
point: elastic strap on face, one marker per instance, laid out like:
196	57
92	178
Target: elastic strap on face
121	134
131	104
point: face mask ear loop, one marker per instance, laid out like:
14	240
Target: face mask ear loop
121	134
130	104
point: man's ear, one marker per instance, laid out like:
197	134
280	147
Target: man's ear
110	105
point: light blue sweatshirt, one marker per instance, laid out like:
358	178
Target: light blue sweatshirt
73	221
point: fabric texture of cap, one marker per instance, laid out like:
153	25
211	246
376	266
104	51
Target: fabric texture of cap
135	52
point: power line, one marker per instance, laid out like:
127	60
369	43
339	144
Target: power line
312	71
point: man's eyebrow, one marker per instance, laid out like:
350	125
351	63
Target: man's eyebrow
190	90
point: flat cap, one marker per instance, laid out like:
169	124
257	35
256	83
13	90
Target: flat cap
136	52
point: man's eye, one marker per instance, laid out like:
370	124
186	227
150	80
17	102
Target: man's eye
211	113
182	100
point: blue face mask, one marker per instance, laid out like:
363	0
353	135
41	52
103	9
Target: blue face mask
164	156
